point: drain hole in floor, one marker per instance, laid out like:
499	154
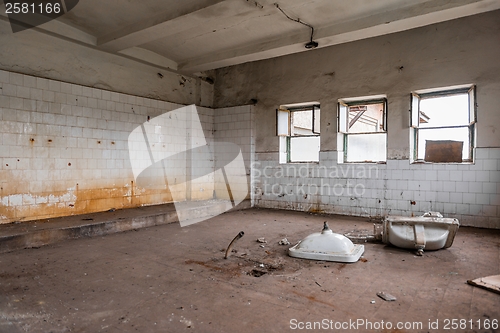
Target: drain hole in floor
256	273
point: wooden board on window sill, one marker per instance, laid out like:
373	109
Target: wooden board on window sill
443	151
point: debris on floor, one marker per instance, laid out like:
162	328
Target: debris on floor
363	236
261	240
491	283
386	297
284	241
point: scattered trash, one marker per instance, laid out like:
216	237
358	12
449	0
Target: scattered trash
386	297
361	237
256	273
284	241
261	240
262	265
372	301
228	251
491	283
188	323
318	283
262	246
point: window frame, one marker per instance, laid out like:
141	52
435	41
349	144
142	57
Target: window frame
287	113
417	96
343	123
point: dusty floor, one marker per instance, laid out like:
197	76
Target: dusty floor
173	279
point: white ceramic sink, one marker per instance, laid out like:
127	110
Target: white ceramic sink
430	231
327	245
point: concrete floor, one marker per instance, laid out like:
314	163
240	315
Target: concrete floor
172	279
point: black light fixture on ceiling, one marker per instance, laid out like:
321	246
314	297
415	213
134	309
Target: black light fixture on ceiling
309	45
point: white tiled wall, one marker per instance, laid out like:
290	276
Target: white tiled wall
64	149
469	192
234	124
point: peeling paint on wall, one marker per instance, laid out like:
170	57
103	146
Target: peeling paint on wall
14	200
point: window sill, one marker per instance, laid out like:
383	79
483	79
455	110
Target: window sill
445	163
367	162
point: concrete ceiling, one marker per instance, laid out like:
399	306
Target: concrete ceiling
191	36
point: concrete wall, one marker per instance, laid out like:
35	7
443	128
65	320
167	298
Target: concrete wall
463	51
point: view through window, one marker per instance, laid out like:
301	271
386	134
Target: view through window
362	124
444	126
298	126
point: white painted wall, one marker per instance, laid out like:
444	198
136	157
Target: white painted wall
463	51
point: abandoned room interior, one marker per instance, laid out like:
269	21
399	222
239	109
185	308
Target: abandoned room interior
250	166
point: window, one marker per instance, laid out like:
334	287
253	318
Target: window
443	124
362	129
298	128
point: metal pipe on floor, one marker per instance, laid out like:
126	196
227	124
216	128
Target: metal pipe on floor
230	247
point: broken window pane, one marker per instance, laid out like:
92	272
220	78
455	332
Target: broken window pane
366	118
302	123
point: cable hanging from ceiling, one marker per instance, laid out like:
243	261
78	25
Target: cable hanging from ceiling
311	44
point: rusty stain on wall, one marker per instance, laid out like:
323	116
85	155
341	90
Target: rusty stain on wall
25	207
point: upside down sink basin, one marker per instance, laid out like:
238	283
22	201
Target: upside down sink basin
430	231
327	245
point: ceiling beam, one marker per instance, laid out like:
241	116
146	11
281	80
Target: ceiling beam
404	18
165	24
149	57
